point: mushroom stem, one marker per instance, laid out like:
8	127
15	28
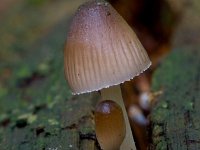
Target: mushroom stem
114	93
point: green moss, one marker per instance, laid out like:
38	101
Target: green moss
157	130
189	105
36	2
53	122
161	145
159	115
33	90
178	107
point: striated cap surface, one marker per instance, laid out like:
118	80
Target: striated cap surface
101	49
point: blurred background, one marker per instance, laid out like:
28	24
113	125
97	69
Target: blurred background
33	90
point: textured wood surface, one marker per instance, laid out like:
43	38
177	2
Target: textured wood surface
37	110
175	121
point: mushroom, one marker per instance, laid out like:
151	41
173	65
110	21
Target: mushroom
102	52
109	125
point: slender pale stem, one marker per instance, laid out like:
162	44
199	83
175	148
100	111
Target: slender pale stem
114	93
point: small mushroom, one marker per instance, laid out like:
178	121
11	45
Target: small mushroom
109	125
101	52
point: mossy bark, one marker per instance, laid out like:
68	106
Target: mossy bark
37	110
175	121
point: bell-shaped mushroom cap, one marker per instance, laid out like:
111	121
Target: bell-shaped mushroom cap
101	49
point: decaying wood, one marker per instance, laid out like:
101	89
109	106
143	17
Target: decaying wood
175	122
